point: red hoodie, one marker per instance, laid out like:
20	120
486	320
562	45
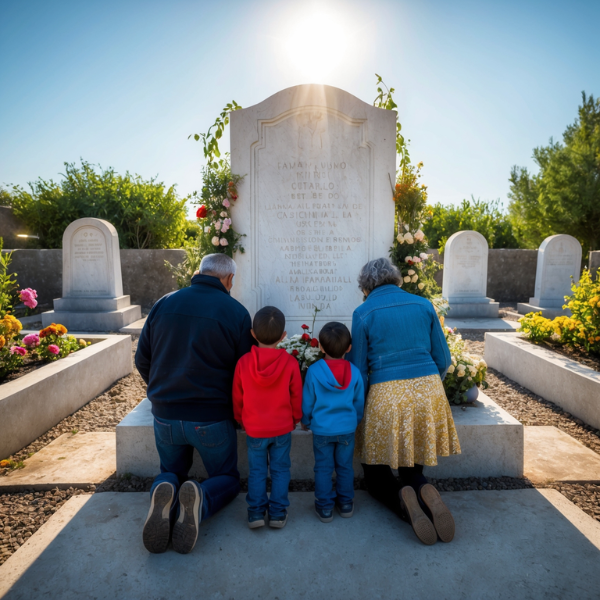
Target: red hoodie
267	392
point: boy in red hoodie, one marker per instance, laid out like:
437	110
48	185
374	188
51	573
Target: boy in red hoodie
267	402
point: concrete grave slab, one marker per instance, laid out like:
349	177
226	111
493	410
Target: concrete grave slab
69	461
553	455
490	438
567	383
505	547
34	403
487	324
134	329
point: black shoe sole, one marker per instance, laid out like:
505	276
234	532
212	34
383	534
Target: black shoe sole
185	530
157	528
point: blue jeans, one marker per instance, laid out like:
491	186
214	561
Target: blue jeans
333	452
273	454
216	443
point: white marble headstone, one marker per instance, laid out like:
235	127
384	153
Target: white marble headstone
559	259
91	260
316	200
465	267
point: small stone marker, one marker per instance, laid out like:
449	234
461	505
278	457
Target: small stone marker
465	276
93	297
316	200
559	259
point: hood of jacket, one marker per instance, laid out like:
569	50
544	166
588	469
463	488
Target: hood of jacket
328	380
267	364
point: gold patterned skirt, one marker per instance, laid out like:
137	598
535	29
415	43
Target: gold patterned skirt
406	421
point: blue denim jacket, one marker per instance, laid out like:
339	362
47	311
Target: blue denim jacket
397	335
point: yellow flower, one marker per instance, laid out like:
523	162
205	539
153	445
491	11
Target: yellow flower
2	342
4	463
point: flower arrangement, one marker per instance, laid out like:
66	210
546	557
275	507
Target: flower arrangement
303	346
50	344
409	250
581	330
465	371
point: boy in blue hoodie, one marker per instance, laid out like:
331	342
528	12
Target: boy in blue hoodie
333	403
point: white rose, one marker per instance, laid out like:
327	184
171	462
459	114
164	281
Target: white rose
411	272
408	238
419	236
453	360
482	364
207	229
451	369
223	213
215	240
400	238
421	286
469	379
407	279
424	256
473	370
406	227
407	258
415	278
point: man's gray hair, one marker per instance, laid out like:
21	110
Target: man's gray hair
378	272
217	265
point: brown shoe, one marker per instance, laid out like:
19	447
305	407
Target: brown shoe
442	518
421	525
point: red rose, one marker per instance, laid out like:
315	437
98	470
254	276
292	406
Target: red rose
295	352
201	212
233	197
314	342
230	184
305	337
305	327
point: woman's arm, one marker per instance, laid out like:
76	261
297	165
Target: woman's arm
439	347
360	345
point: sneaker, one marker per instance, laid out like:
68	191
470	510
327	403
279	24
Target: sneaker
440	515
325	514
255	521
421	525
345	510
278	522
185	530
157	528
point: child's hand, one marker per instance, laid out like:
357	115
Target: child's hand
304	427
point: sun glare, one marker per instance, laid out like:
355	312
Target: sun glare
316	42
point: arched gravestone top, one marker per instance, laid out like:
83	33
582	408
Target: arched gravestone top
91	260
465	268
559	258
316	200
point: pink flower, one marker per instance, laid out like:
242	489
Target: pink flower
224	242
18	350
226	225
226	203
28	297
54	349
32	340
416	259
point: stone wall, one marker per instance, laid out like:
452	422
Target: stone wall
145	277
594	262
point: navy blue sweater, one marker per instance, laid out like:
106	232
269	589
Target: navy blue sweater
188	350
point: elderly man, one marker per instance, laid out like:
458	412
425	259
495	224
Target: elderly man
187	354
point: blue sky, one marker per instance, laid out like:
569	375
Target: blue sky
479	84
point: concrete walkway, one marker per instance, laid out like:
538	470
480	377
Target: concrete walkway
513	544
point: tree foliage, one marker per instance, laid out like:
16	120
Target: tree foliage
485	217
564	196
145	213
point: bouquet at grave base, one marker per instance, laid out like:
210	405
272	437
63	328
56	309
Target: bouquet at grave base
303	346
409	251
54	343
581	329
465	371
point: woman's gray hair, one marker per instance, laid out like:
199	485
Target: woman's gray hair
378	272
217	265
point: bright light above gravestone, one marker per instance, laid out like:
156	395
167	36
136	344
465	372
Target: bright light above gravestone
316	41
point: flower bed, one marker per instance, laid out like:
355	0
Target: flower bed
32	404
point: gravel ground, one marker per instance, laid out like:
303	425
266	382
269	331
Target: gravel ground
22	514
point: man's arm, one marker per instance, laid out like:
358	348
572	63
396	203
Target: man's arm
143	354
246	340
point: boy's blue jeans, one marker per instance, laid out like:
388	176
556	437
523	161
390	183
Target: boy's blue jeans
333	452
216	443
272	454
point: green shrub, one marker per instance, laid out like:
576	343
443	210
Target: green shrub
485	217
145	213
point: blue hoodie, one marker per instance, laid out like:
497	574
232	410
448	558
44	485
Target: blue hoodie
328	407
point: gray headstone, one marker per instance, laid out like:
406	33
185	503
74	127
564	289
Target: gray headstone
316	201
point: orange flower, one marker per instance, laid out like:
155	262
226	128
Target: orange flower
53	329
2	342
4	463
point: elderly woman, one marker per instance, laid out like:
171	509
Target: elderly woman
400	348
